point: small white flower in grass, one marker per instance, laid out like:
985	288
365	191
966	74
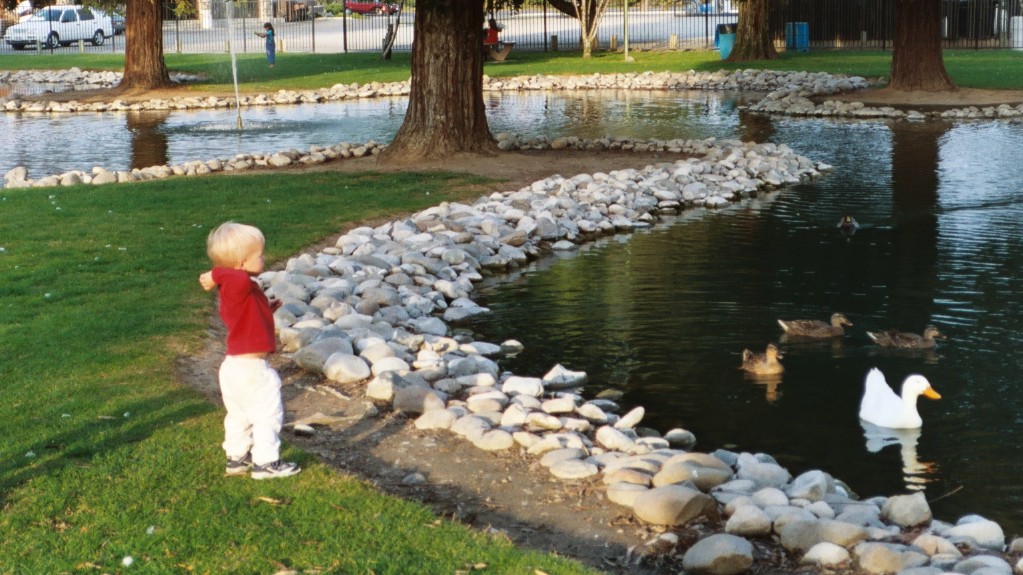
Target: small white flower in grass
47	295
65	415
123	249
151	529
127	561
3	250
30	454
127	414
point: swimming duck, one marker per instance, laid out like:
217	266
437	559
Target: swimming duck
848	225
762	363
882	407
815	327
904	340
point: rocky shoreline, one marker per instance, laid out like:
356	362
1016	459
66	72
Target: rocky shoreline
381	306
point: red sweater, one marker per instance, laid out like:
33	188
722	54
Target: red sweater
245	310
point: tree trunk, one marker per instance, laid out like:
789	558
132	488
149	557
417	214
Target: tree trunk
446	113
144	67
752	38
917	64
584	11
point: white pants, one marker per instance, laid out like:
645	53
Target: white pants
252	395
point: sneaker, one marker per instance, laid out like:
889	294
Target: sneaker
275	469
238	466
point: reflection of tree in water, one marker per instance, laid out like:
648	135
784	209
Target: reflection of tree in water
149	144
757	128
915	155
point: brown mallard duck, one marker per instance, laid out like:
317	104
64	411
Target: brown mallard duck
815	327
762	363
848	225
905	340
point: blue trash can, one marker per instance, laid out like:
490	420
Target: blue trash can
725	39
797	36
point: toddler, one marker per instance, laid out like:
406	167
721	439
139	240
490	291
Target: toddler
250	387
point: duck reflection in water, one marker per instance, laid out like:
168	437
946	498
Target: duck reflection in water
916	473
771	384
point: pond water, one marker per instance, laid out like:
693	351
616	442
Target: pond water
663	315
122	140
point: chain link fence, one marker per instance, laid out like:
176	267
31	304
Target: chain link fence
308	26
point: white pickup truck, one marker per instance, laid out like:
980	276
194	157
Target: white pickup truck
60	26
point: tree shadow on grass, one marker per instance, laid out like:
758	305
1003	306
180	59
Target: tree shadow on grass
76	447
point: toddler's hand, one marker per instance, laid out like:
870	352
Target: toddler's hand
275	303
206	281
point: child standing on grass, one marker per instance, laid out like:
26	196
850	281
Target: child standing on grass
271	46
251	389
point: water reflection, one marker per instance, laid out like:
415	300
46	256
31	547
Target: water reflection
770	383
207	134
149	143
916	473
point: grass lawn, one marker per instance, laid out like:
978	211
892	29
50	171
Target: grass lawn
990	69
105	455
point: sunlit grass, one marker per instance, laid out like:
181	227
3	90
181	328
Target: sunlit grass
993	69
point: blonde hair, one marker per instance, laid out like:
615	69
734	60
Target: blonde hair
231	243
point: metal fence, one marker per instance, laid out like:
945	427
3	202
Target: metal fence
304	26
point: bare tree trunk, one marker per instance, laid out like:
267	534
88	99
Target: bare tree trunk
588	12
752	38
144	67
446	113
917	64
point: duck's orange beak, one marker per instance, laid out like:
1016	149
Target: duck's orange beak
929	392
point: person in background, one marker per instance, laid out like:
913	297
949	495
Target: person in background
490	33
271	46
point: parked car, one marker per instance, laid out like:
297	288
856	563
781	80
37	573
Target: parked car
60	26
118	21
375	7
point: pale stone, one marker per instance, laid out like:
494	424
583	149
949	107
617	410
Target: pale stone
720	554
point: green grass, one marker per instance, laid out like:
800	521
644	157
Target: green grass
106	454
992	69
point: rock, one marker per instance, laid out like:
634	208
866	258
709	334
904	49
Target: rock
624	493
674	505
345	368
883	558
749	521
825	555
720	554
907	510
313	356
812	486
573	469
987	534
802	535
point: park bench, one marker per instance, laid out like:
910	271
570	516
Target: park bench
498	52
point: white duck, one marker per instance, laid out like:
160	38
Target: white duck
882	407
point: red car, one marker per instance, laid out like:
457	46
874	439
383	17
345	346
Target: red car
370	7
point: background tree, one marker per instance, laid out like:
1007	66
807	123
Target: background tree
446	114
589	14
144	66
917	63
752	37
